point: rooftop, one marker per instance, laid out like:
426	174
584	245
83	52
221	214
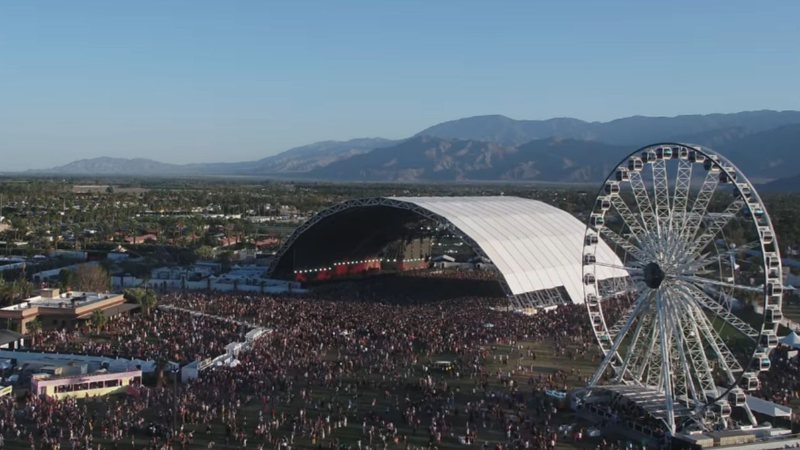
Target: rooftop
8	336
65	300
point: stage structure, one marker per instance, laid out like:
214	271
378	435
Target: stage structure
534	247
706	272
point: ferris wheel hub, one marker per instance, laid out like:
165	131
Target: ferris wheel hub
653	275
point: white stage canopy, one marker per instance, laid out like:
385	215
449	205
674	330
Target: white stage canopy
768	408
535	247
791	340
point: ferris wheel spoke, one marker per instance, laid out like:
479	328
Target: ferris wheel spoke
695	325
704	300
620	323
733	257
655	372
661	195
609	357
641	373
629	219
695	216
636	358
683	184
715	226
709	281
620	242
666	367
724	356
752	245
685	379
617	266
643	202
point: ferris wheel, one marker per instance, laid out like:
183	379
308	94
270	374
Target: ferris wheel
700	313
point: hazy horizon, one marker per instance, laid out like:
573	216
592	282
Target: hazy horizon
197	81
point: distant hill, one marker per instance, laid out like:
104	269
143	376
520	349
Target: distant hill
788	184
763	155
295	160
507	131
116	166
768	154
426	158
636	130
314	156
764	144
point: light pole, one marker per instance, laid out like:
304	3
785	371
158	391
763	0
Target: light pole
175	379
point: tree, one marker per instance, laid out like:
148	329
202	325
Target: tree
205	252
22	288
34	326
146	298
92	279
5	292
66	279
99	320
15	291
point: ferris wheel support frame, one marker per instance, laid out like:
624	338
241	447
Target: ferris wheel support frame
663	239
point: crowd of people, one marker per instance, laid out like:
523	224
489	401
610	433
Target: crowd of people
331	372
163	335
371	373
781	384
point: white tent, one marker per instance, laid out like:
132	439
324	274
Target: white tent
791	340
768	408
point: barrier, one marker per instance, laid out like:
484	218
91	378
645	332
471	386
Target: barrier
556	394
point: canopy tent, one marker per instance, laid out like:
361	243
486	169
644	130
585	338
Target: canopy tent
768	408
791	340
536	248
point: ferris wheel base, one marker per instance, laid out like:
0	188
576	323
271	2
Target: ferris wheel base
752	439
603	405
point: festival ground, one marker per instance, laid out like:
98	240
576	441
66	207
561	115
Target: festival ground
547	362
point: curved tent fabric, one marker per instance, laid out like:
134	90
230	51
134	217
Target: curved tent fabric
791	340
535	246
768	408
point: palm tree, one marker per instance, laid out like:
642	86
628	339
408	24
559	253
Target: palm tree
99	320
146	298
33	328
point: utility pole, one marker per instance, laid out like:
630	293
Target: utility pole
175	372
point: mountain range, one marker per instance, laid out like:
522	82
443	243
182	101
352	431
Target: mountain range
494	147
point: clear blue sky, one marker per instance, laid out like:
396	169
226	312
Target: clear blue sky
230	80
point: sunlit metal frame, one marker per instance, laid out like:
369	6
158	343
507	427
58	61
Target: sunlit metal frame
673	339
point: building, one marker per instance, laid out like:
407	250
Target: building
11	340
118	254
81	386
52	274
61	310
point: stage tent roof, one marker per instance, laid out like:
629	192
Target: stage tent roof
791	340
767	407
534	246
